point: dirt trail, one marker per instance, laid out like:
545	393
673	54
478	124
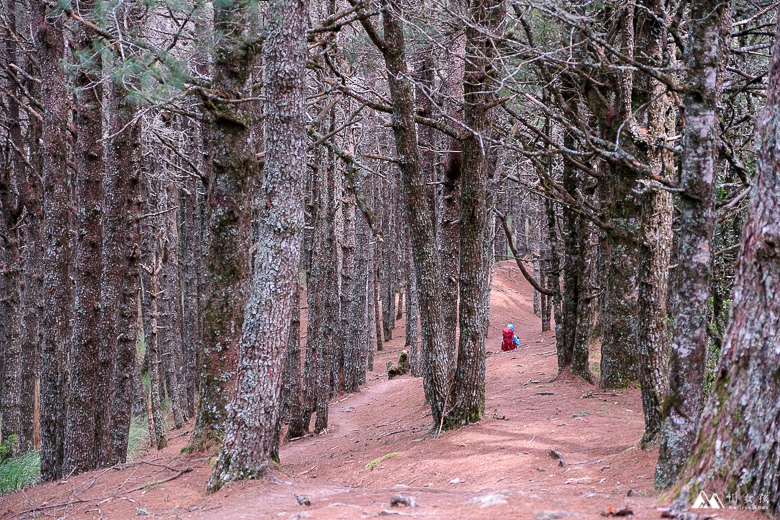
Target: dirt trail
500	467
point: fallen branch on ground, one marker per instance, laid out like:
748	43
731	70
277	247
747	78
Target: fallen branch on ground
86	500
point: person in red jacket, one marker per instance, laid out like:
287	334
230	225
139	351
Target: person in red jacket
510	340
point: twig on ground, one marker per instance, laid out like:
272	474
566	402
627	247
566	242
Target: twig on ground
86	500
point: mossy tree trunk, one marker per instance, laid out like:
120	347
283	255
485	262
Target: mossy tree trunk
437	354
737	453
251	426
467	401
655	238
703	62
234	166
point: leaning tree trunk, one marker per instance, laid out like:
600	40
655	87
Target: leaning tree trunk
703	59
249	436
56	284
468	392
419	214
737	451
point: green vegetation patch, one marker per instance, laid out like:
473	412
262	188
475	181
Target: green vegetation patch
17	473
373	463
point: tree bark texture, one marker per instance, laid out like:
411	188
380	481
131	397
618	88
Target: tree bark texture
234	165
360	333
153	345
120	285
349	283
56	285
419	215
619	309
586	296
737	454
448	229
249	436
468	392
292	385
412	319
571	268
86	421
172	346
191	265
689	345
655	238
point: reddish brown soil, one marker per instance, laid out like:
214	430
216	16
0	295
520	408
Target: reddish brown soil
499	468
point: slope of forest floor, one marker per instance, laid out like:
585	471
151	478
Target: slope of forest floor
378	446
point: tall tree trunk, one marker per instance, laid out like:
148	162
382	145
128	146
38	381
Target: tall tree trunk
571	266
156	412
349	283
120	285
586	295
11	282
190	254
56	284
234	165
22	267
88	395
419	215
655	239
359	332
314	297
253	414
621	251
412	318
449	230
171	306
329	321
736	449
703	61
468	393
293	395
